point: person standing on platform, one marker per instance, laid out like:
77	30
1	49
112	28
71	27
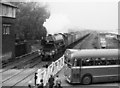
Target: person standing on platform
57	81
29	84
58	86
41	84
35	78
51	81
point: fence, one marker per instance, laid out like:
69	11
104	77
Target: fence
52	69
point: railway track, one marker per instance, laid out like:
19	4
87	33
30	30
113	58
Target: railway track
79	45
19	61
22	68
13	60
29	75
22	74
89	42
78	41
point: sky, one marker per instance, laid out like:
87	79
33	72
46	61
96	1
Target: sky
94	15
72	15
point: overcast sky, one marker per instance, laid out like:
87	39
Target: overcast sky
100	16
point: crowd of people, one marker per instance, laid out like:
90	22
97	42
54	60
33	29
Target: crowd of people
53	82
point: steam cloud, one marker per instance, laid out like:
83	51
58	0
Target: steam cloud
57	23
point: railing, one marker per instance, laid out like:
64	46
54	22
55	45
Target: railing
52	69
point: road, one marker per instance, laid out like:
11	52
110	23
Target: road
111	42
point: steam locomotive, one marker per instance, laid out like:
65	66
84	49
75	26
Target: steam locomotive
52	44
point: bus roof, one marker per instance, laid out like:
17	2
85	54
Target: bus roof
95	53
72	50
69	51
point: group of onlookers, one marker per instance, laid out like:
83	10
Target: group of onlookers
53	82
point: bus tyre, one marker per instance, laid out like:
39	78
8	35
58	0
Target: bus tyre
87	80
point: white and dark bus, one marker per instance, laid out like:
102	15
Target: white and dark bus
93	65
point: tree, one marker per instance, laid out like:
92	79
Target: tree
29	21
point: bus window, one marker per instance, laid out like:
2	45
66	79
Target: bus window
100	61
112	61
76	62
97	61
118	61
91	62
87	62
83	62
103	61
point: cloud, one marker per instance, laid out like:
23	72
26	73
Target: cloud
57	23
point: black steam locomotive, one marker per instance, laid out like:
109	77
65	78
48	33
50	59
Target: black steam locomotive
53	44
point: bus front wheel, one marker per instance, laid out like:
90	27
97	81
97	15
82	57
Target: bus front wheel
87	80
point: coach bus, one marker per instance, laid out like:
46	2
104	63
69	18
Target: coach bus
93	65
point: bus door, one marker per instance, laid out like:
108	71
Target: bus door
76	71
67	70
